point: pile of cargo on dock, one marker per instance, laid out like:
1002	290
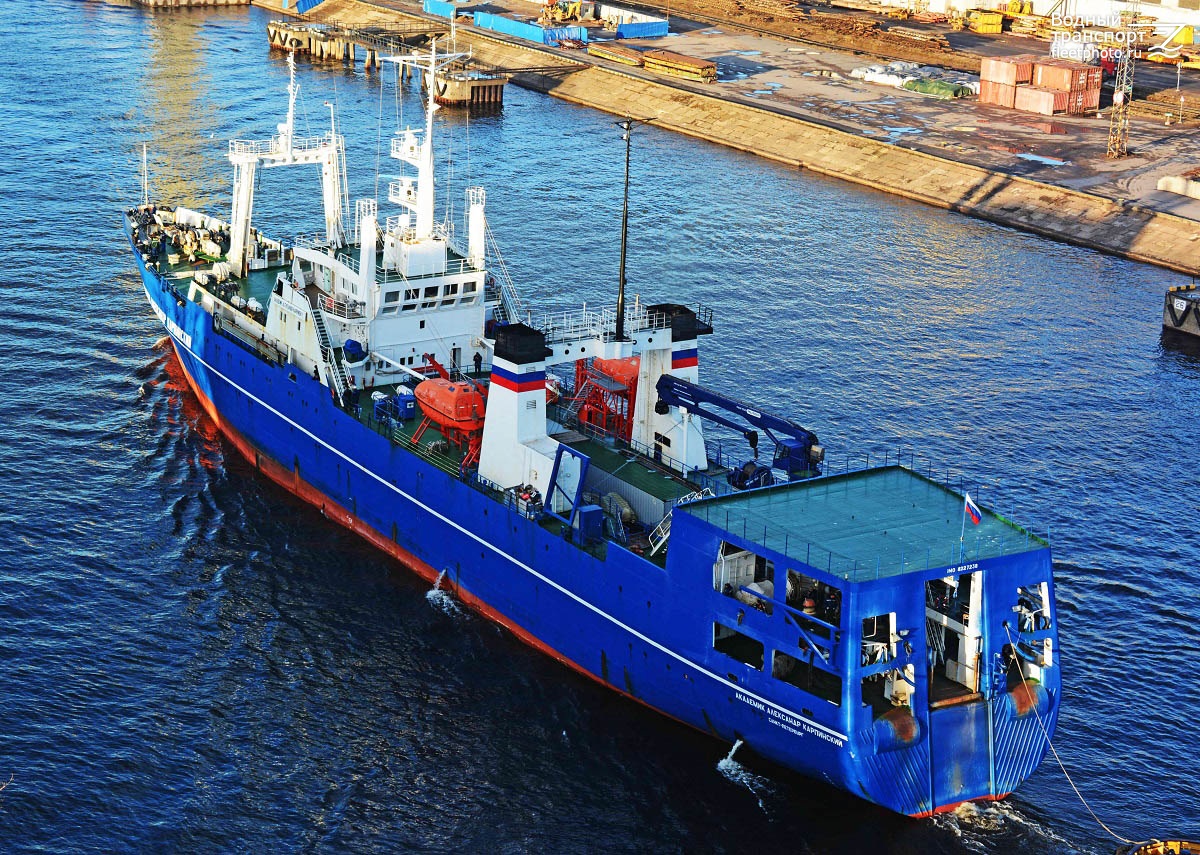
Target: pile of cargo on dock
662	61
930	80
615	52
679	65
1042	85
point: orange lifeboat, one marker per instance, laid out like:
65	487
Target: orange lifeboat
624	371
455	406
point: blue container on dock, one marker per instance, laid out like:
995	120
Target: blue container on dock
642	30
441	8
554	35
508	26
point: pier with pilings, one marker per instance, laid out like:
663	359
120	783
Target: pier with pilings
464	83
335	43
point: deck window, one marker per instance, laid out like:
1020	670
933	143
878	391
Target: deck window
804	675
813	597
733	644
746	577
391	296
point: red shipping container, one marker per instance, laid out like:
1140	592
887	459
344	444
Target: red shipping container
1061	74
1091	98
1009	70
1075	102
998	94
1045	102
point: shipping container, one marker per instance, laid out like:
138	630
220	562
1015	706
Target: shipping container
1045	102
440	8
615	53
642	30
679	65
997	94
1009	70
1064	75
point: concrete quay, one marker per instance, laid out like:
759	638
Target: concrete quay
833	143
190	4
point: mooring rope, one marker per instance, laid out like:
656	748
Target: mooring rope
1054	751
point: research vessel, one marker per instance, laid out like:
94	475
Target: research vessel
869	625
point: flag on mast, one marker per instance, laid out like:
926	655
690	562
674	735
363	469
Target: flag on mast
973	511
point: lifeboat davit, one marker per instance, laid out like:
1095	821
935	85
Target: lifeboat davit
456	406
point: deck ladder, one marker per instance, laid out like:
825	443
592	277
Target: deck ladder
662	532
337	374
509	309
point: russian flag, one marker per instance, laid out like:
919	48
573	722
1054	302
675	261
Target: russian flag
973	511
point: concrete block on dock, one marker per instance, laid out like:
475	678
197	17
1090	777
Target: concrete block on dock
1181	185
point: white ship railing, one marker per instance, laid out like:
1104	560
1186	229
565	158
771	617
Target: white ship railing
272	146
313	241
580	324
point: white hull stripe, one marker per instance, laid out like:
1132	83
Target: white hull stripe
501	553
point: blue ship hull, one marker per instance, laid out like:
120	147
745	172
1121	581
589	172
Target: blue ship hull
640	629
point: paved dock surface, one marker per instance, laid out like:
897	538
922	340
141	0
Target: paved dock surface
796	104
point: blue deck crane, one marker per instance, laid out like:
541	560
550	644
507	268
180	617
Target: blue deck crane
798	452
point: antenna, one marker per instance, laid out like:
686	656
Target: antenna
626	125
145	178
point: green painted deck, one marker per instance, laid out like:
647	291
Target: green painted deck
401	433
865	525
633	470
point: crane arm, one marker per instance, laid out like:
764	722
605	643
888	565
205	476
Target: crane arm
800	443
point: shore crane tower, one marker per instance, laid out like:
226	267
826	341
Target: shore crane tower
1118	124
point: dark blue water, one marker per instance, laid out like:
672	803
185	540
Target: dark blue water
191	661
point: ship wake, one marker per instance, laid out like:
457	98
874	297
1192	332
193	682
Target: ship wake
735	772
441	599
979	826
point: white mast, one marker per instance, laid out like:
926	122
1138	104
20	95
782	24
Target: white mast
145	178
415	147
425	189
284	150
